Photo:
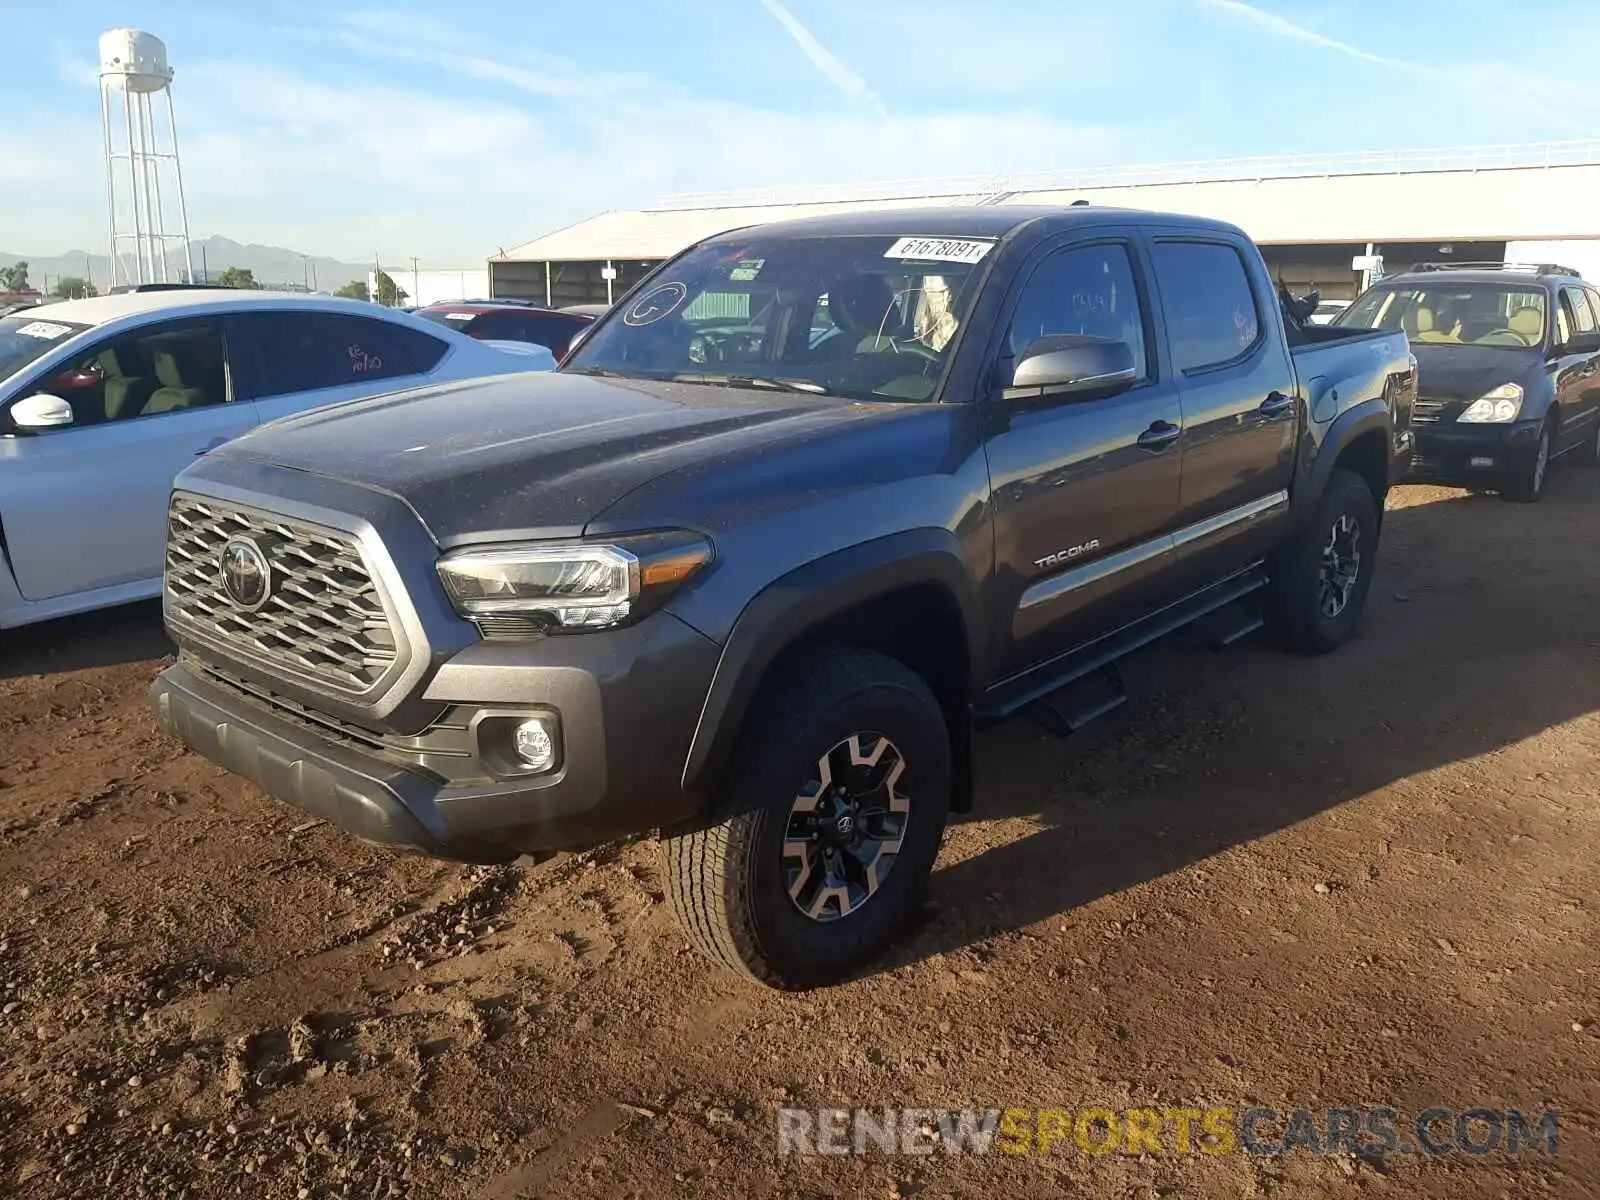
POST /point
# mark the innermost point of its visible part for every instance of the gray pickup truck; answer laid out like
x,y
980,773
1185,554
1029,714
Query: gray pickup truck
x,y
808,506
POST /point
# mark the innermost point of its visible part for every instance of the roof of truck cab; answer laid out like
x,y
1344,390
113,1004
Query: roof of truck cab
x,y
979,221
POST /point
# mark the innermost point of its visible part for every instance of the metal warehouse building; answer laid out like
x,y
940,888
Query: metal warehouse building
x,y
1312,215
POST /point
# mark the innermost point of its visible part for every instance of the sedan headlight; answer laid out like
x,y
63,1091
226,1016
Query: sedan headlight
x,y
1496,407
569,586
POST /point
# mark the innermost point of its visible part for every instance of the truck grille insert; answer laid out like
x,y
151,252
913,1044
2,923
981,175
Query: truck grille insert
x,y
319,617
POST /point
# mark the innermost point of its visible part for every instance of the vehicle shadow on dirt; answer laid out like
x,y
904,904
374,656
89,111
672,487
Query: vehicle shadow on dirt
x,y
1459,656
129,634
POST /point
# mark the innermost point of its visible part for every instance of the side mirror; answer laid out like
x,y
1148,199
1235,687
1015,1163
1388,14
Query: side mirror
x,y
40,412
1581,343
576,340
1072,364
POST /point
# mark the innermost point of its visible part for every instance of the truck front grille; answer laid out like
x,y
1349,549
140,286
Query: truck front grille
x,y
321,619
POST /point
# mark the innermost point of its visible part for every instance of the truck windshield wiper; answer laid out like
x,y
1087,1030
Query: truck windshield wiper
x,y
753,381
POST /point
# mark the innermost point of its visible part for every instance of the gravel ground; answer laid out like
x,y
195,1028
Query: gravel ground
x,y
1362,880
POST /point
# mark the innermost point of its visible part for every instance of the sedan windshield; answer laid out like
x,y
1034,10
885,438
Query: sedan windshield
x,y
871,318
1470,314
25,338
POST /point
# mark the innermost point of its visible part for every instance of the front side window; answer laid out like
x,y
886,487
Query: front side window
x,y
1583,316
1087,290
308,351
164,368
24,339
869,317
1210,307
1465,314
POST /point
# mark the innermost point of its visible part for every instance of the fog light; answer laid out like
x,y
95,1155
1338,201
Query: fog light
x,y
535,745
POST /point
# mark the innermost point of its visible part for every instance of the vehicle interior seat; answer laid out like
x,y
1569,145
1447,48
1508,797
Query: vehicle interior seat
x,y
1420,327
125,395
1528,324
174,393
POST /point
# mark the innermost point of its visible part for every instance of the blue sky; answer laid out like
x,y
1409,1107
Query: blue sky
x,y
444,130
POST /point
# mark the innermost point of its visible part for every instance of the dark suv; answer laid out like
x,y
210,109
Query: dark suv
x,y
1508,363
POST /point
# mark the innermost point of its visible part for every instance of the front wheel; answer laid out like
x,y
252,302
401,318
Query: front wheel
x,y
1526,484
821,839
1320,579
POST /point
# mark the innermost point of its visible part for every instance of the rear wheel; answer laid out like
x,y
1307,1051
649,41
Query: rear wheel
x,y
1321,579
822,837
1526,483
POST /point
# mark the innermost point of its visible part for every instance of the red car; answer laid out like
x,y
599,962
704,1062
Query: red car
x,y
489,321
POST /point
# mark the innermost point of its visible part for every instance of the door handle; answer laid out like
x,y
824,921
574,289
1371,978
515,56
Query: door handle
x,y
1159,436
1275,405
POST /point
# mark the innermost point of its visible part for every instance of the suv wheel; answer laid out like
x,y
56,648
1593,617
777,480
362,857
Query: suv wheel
x,y
1321,579
1527,483
821,839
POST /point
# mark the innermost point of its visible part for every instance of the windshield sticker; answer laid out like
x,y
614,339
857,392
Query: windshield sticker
x,y
926,249
747,270
453,316
658,302
48,330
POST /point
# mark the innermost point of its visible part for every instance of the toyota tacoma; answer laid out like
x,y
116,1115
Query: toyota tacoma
x,y
804,509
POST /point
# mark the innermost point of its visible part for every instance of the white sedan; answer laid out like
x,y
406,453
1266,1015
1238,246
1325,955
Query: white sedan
x,y
103,401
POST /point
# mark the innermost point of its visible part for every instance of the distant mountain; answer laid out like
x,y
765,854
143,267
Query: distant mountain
x,y
270,265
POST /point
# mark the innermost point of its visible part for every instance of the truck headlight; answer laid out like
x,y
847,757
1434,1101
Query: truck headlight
x,y
569,586
1496,407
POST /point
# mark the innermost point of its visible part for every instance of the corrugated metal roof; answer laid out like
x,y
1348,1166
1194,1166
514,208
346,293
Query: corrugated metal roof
x,y
626,236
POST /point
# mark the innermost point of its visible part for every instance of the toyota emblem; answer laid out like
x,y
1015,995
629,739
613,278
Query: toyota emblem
x,y
246,574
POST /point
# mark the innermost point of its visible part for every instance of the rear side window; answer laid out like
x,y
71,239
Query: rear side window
x,y
1211,310
304,352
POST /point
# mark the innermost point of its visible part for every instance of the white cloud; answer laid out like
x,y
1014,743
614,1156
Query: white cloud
x,y
825,61
1524,90
430,143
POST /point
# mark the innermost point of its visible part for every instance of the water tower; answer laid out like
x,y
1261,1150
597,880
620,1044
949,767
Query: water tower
x,y
144,181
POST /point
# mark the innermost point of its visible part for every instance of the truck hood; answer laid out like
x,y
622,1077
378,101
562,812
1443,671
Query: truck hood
x,y
531,455
1467,372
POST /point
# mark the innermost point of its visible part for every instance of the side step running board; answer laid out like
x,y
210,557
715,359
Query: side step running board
x,y
1021,691
1060,716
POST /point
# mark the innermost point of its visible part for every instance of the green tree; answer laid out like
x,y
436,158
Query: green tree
x,y
70,287
237,277
356,289
390,293
15,277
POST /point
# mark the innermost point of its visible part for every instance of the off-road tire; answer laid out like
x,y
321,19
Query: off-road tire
x,y
724,872
1294,612
1527,484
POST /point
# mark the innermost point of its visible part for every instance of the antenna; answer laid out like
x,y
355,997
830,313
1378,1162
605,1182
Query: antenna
x,y
144,180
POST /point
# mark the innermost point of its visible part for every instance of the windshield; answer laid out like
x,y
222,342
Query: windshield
x,y
1467,314
871,318
25,338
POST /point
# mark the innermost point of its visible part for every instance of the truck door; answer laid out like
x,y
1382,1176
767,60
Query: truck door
x,y
1240,408
1084,488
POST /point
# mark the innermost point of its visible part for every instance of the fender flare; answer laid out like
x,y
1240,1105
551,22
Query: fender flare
x,y
1359,419
799,601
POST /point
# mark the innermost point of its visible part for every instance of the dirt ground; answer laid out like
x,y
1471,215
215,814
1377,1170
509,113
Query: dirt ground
x,y
1368,879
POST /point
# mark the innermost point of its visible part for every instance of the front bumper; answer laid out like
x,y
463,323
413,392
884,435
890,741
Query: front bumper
x,y
628,701
1457,453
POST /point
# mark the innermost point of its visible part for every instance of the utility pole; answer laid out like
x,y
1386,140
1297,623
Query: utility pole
x,y
305,272
416,285
205,271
